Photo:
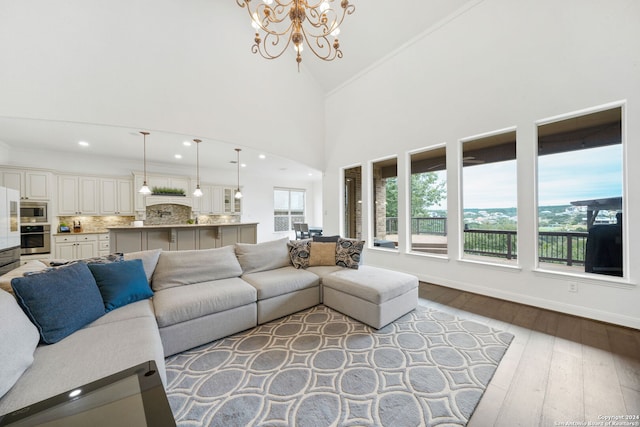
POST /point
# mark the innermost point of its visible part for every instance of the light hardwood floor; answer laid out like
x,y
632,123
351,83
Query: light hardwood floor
x,y
559,368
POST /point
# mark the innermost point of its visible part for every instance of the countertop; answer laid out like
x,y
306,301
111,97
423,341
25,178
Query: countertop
x,y
229,224
81,233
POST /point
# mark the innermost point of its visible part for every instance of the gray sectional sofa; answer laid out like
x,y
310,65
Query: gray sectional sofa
x,y
198,297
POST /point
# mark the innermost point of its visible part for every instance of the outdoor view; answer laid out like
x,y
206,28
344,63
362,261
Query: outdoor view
x,y
579,196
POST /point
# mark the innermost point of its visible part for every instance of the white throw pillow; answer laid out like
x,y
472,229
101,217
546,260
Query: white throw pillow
x,y
19,338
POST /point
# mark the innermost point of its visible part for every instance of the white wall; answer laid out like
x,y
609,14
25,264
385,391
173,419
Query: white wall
x,y
166,65
501,63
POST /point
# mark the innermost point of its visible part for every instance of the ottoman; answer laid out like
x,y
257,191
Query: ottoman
x,y
372,295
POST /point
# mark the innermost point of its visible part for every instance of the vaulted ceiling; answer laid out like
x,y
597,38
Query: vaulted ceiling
x,y
99,71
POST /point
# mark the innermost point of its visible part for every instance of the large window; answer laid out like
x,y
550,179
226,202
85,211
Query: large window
x,y
489,179
288,208
580,193
429,201
385,203
353,202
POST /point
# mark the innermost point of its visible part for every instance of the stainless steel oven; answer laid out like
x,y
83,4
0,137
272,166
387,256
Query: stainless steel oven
x,y
35,239
31,212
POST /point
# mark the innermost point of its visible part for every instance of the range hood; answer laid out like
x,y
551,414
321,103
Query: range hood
x,y
168,200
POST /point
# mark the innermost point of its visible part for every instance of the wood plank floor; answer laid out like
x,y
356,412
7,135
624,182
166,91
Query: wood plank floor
x,y
558,368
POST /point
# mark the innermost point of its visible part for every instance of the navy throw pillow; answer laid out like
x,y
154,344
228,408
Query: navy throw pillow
x,y
59,302
121,283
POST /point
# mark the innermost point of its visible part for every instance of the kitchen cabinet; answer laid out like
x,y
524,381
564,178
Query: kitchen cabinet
x,y
231,204
174,238
140,204
211,202
116,196
77,195
32,184
104,244
77,246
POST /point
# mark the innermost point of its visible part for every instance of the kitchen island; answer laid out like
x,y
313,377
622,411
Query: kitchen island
x,y
176,237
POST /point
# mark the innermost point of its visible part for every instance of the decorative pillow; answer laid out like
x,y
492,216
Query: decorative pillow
x,y
348,252
178,268
263,256
333,239
149,260
322,254
103,259
299,253
121,283
59,302
19,338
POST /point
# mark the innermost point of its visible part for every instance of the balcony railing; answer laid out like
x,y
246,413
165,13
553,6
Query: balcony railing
x,y
563,247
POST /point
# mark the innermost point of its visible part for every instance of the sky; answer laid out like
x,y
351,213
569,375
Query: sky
x,y
562,178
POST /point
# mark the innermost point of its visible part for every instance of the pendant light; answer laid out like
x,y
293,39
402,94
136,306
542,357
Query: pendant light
x,y
238,194
198,191
144,190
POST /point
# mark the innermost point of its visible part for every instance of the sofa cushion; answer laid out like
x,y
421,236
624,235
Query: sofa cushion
x,y
299,252
178,268
85,356
176,305
280,281
348,252
149,260
60,301
121,283
372,284
322,254
5,279
263,256
19,338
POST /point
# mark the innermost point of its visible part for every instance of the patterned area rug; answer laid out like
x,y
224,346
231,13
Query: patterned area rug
x,y
322,368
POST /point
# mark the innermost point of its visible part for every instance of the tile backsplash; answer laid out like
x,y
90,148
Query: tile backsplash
x,y
96,224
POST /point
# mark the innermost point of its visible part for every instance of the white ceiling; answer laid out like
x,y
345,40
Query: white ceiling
x,y
376,29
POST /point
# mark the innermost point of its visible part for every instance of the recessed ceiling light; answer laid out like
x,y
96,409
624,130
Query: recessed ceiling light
x,y
187,143
83,143
243,165
262,156
310,174
178,156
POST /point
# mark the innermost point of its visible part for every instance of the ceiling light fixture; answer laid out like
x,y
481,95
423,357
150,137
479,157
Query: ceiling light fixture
x,y
198,191
309,22
144,190
238,194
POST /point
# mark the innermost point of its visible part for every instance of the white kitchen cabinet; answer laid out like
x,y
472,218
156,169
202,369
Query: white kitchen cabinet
x,y
32,184
211,202
104,244
116,196
77,246
231,204
77,195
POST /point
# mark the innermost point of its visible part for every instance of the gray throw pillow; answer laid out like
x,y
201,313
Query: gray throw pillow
x,y
19,338
263,256
179,268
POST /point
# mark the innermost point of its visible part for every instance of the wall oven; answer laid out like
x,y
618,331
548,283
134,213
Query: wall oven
x,y
33,212
35,239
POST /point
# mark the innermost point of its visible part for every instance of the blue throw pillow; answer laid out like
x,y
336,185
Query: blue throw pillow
x,y
121,283
59,302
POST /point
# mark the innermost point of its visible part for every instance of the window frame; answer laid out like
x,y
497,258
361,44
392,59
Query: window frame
x,y
289,215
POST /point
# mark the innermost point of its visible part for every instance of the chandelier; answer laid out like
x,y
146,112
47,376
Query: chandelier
x,y
314,23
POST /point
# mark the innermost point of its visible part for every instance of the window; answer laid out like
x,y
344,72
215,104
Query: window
x,y
489,179
385,203
353,202
580,183
288,208
429,201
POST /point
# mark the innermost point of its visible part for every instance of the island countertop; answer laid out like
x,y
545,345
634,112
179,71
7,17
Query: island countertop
x,y
143,227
